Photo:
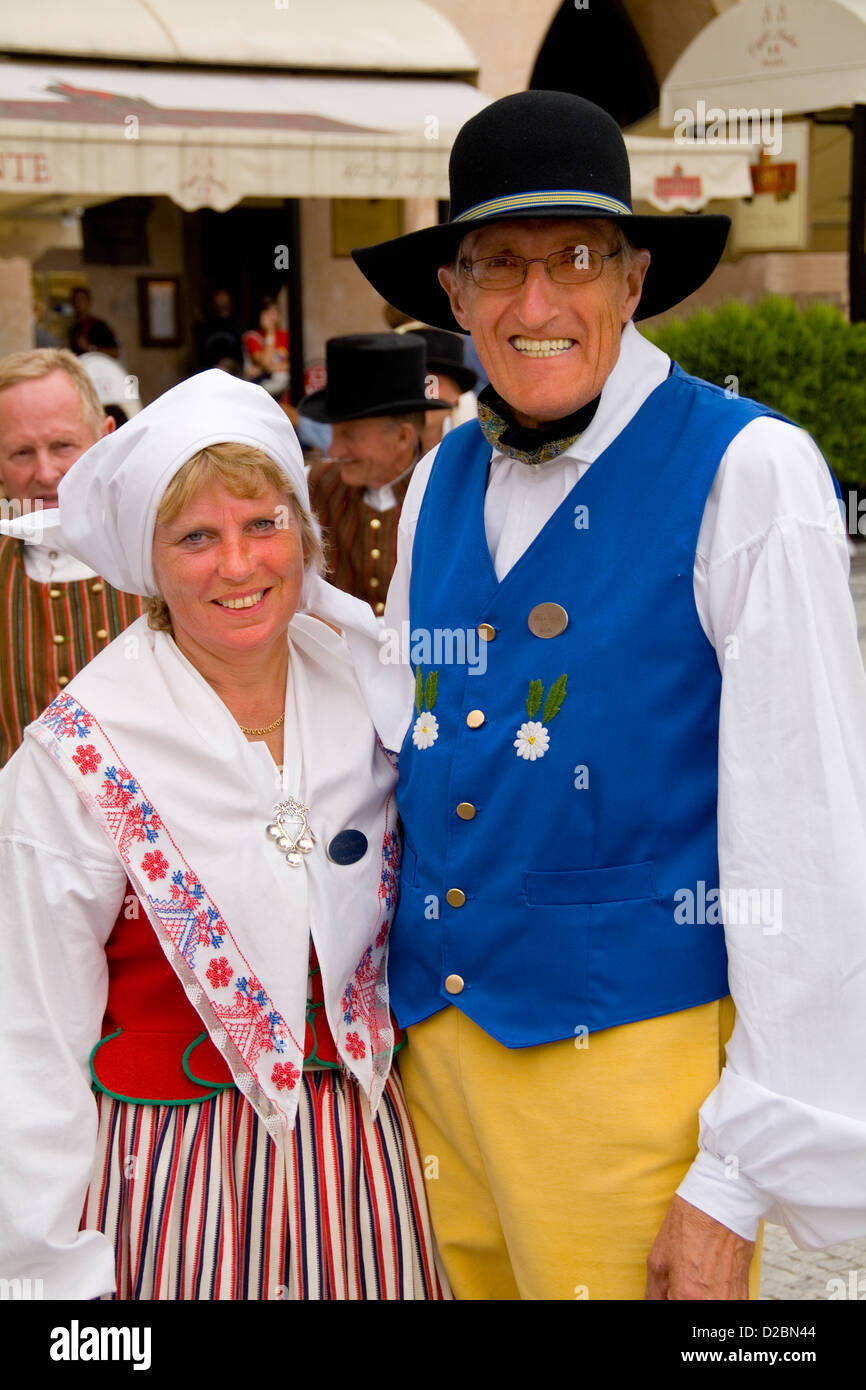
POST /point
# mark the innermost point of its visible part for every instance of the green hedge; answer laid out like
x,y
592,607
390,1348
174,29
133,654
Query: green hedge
x,y
810,364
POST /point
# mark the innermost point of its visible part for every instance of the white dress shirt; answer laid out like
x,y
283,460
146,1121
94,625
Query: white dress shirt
x,y
783,1134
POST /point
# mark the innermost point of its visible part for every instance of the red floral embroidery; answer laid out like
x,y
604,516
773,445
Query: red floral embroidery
x,y
155,865
219,972
355,1045
285,1076
87,759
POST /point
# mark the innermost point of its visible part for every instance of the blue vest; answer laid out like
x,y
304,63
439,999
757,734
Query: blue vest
x,y
570,871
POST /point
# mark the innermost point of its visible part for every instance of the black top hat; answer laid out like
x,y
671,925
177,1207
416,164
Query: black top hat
x,y
371,374
542,154
444,353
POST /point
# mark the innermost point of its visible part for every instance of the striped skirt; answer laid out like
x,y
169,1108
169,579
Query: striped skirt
x,y
201,1204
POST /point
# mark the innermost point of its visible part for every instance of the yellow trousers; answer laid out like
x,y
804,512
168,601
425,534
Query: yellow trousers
x,y
550,1168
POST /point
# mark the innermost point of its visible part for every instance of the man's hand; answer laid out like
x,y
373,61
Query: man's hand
x,y
695,1257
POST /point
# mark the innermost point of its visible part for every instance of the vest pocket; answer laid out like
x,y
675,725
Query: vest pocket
x,y
618,883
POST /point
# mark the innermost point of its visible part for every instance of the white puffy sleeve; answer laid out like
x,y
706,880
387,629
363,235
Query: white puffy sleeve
x,y
61,888
783,1135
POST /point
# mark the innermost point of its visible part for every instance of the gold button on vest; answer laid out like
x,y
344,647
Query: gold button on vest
x,y
475,718
486,632
380,608
466,811
373,582
58,639
98,587
374,554
102,633
454,984
455,897
375,523
55,593
62,680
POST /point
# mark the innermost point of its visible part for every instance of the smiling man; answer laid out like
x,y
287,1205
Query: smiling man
x,y
55,613
671,713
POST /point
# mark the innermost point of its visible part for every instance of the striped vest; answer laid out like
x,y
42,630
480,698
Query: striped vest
x,y
47,633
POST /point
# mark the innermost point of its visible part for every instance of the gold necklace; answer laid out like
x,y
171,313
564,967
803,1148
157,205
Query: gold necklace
x,y
270,728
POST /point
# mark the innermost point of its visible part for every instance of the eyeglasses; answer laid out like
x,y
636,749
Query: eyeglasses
x,y
575,265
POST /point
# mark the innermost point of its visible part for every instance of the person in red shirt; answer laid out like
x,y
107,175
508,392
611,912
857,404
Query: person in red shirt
x,y
266,350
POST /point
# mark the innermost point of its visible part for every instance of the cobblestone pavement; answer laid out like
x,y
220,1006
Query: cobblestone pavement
x,y
786,1272
789,1273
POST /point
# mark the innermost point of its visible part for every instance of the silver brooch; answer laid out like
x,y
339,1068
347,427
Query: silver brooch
x,y
290,830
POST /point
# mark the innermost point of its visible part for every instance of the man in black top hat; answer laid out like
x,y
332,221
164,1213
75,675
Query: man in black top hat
x,y
645,558
375,403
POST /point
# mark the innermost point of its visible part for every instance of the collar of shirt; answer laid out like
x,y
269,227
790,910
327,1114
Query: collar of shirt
x,y
380,499
45,564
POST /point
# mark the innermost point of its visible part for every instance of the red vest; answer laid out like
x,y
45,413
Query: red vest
x,y
154,1048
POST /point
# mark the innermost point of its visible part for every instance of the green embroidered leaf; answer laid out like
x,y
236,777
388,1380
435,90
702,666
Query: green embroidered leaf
x,y
431,689
419,690
534,698
555,697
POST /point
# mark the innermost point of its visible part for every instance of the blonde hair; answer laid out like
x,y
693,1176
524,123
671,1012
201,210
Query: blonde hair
x,y
40,362
245,472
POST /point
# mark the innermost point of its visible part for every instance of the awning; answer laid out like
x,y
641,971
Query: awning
x,y
791,55
394,36
772,59
209,139
687,174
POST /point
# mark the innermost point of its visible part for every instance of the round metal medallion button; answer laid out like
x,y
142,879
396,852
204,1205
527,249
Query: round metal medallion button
x,y
55,593
475,718
466,811
455,897
454,984
375,523
347,847
547,620
486,632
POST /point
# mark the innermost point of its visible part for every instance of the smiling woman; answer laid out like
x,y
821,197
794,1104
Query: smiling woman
x,y
225,848
244,473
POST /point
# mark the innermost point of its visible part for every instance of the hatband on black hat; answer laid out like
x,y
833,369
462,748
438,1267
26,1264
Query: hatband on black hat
x,y
371,374
542,154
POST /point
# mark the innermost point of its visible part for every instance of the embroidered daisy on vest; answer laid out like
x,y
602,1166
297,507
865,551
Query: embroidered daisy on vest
x,y
426,728
533,739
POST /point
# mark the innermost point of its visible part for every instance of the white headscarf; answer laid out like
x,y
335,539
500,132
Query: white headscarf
x,y
110,497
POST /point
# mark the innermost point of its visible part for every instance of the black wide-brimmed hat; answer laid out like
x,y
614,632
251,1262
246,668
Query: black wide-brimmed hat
x,y
445,353
542,154
371,374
